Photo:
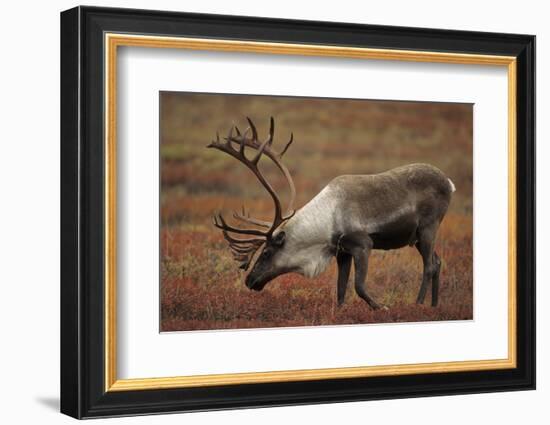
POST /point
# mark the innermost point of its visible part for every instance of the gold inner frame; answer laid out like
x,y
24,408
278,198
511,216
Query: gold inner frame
x,y
113,41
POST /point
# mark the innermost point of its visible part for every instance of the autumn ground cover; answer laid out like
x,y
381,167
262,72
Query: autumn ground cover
x,y
201,285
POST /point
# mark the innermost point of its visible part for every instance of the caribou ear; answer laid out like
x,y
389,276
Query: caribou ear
x,y
279,238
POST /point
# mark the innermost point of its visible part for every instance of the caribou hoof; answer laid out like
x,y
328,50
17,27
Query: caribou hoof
x,y
376,306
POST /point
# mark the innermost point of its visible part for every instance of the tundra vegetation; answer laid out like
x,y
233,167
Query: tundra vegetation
x,y
202,286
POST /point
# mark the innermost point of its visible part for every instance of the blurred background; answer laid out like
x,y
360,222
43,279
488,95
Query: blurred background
x,y
201,285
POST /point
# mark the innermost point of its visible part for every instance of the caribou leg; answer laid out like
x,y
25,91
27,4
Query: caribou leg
x,y
425,246
359,245
344,266
435,279
361,261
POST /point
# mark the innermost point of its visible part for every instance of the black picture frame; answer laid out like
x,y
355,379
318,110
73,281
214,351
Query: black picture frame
x,y
83,392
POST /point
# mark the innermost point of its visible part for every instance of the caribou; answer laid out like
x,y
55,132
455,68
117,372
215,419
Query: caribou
x,y
350,217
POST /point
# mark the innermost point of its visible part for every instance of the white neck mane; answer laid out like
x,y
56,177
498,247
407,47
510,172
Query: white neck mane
x,y
308,235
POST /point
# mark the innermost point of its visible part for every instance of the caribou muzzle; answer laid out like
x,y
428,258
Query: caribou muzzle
x,y
254,284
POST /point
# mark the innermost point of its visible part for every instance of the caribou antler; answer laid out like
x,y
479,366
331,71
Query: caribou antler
x,y
244,216
243,249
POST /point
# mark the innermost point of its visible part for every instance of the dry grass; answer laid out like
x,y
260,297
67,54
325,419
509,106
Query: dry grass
x,y
201,286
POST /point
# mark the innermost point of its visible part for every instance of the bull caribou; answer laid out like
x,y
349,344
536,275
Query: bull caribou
x,y
350,217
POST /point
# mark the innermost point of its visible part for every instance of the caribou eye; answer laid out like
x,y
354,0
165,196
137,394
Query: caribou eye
x,y
279,239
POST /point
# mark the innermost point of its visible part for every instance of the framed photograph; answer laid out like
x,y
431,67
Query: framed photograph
x,y
260,212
